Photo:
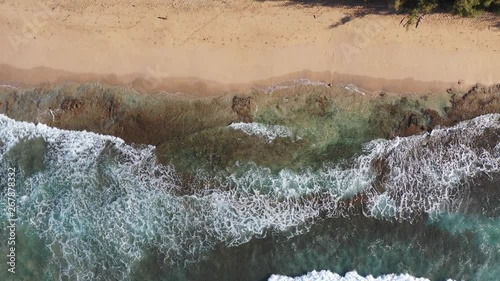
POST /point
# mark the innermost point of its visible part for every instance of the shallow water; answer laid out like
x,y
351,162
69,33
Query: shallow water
x,y
92,207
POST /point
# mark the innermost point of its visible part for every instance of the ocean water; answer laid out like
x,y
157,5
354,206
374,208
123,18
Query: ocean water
x,y
325,275
93,207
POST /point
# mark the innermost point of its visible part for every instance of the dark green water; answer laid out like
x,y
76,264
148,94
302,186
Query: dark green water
x,y
91,207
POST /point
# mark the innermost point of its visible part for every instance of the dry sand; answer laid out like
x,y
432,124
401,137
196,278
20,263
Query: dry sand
x,y
208,46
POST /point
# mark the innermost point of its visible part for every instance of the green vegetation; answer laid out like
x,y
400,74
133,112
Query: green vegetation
x,y
461,7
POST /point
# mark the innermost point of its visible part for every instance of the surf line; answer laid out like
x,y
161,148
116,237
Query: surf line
x,y
11,218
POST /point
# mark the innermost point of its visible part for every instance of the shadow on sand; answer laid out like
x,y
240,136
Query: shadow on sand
x,y
360,8
370,7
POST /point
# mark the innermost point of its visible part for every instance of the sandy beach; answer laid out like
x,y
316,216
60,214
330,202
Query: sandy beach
x,y
205,47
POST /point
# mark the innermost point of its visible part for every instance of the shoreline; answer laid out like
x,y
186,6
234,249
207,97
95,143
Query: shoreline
x,y
198,87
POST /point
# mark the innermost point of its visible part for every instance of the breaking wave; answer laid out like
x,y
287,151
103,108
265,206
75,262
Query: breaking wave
x,y
326,275
295,83
101,203
270,132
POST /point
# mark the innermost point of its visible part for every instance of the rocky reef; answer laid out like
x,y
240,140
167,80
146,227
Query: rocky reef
x,y
328,124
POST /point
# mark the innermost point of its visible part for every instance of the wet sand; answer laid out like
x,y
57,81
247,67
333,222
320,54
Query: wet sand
x,y
197,87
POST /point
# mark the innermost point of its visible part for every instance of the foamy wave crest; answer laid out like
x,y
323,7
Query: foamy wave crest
x,y
101,203
269,132
7,86
430,173
326,275
295,83
400,178
354,88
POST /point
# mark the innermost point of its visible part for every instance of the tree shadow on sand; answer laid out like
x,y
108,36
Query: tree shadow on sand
x,y
367,7
360,8
348,18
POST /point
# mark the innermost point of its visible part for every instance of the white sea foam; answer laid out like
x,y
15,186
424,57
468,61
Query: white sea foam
x,y
354,88
269,132
425,173
7,86
101,202
326,275
293,84
306,82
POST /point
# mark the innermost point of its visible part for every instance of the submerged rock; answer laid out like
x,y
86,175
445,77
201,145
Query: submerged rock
x,y
243,108
71,104
333,122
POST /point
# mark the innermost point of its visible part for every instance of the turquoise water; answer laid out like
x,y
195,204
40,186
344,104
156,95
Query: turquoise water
x,y
92,207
